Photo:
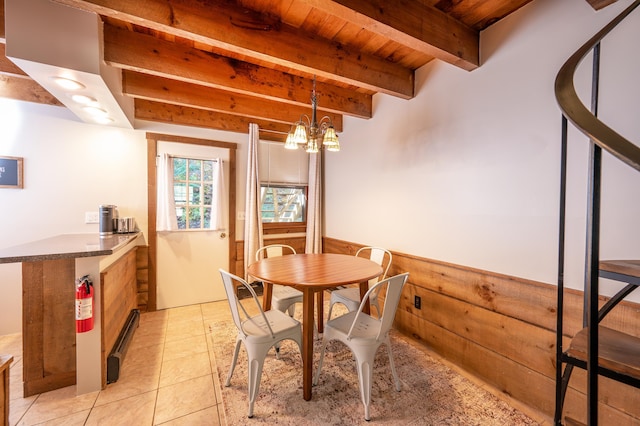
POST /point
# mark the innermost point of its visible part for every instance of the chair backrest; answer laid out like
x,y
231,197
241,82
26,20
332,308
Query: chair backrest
x,y
274,250
379,255
394,286
234,303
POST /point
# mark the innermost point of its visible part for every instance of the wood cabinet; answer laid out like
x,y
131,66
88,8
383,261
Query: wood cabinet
x,y
5,363
54,355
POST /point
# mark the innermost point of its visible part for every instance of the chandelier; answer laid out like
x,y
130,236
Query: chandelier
x,y
308,132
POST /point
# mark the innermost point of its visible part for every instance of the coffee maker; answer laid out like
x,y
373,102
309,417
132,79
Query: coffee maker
x,y
107,219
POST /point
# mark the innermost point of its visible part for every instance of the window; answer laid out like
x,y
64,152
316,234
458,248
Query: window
x,y
283,203
193,183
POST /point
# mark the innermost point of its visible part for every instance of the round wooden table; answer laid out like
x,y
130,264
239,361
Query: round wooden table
x,y
312,273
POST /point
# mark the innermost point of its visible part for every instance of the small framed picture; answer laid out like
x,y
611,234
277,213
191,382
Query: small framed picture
x,y
10,172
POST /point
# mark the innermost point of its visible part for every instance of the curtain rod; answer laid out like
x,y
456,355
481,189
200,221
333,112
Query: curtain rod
x,y
191,157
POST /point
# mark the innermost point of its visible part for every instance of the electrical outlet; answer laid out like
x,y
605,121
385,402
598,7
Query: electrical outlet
x,y
91,217
417,302
241,216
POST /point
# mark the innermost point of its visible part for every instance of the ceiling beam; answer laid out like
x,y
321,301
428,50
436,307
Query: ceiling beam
x,y
600,4
187,116
7,66
25,89
144,53
176,92
411,23
255,36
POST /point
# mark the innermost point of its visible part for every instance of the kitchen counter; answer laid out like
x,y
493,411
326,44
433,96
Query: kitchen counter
x,y
66,246
54,354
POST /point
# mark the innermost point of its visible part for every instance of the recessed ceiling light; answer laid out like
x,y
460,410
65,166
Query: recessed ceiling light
x,y
103,120
84,99
67,83
95,111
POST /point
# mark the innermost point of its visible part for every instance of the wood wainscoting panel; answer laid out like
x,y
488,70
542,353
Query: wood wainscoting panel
x,y
119,296
48,328
142,277
501,329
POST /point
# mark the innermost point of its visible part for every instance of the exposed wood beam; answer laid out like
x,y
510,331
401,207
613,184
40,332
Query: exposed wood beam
x,y
144,53
599,4
25,89
186,116
7,67
176,92
227,27
2,33
411,23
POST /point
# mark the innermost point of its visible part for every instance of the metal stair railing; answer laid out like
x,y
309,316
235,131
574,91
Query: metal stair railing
x,y
601,137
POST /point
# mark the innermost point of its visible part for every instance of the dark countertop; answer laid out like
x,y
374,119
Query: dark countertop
x,y
66,246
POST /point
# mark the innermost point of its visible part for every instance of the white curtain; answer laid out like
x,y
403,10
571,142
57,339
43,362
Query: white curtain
x,y
218,196
314,206
166,219
253,205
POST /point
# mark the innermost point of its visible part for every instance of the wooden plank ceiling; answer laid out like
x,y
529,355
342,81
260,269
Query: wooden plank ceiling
x,y
222,64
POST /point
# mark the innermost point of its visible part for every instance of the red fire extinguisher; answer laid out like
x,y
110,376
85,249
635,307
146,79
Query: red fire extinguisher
x,y
84,304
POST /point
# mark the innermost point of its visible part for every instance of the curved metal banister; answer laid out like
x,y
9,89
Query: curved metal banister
x,y
580,116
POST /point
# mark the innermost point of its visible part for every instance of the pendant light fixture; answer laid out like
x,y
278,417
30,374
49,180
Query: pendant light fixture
x,y
308,132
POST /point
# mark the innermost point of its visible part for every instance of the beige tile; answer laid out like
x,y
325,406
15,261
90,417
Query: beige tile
x,y
214,368
57,403
136,410
19,406
146,317
184,347
185,312
16,387
177,330
143,357
132,382
184,398
148,336
185,368
208,416
75,419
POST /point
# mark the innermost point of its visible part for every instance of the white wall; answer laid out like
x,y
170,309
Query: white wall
x,y
71,168
468,171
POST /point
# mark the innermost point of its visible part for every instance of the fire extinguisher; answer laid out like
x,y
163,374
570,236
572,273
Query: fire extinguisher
x,y
84,304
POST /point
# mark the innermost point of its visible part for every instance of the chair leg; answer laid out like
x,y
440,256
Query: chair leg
x,y
396,379
291,310
256,362
233,362
330,309
317,375
365,376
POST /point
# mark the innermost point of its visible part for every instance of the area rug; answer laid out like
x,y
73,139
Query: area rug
x,y
432,393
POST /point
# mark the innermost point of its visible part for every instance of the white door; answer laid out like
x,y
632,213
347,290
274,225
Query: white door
x,y
188,261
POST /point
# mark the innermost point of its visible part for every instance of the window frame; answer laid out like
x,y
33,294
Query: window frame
x,y
187,183
286,227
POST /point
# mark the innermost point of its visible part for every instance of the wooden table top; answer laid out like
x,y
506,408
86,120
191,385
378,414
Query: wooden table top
x,y
315,270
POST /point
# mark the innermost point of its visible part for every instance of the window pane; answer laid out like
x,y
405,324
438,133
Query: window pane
x,y
207,217
195,191
283,204
195,219
208,194
181,214
180,193
195,169
179,169
208,171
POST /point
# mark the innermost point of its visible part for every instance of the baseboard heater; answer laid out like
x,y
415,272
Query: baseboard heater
x,y
116,357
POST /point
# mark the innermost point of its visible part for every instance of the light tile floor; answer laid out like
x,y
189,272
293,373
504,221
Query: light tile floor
x,y
167,378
